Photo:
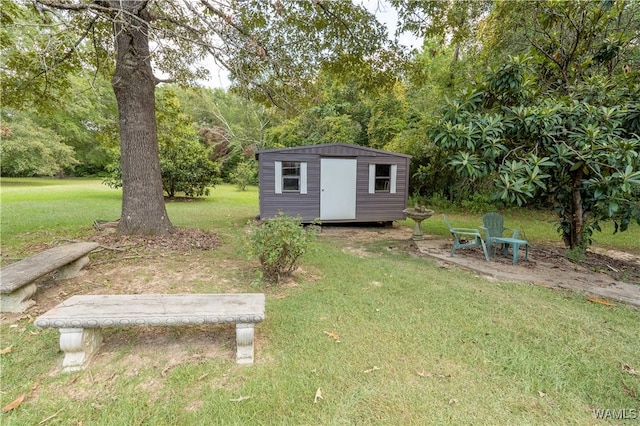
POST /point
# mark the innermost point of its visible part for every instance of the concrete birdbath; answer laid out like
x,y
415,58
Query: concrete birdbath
x,y
418,214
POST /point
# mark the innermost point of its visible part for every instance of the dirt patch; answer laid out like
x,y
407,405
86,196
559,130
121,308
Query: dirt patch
x,y
178,263
600,275
180,241
549,263
546,261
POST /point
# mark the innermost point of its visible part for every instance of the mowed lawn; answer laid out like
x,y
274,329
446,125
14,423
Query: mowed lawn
x,y
384,338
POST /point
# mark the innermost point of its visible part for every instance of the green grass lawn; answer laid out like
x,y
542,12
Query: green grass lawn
x,y
416,344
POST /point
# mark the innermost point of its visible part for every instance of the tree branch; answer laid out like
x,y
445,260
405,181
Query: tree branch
x,y
332,15
66,56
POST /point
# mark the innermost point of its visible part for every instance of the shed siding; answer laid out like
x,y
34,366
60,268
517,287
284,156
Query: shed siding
x,y
377,207
381,206
307,206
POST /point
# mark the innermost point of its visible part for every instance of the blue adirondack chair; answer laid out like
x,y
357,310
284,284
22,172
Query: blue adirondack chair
x,y
493,227
466,238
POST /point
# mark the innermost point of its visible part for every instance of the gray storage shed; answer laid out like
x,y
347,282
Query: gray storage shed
x,y
334,183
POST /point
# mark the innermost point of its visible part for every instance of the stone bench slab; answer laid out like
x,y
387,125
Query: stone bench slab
x,y
16,279
79,318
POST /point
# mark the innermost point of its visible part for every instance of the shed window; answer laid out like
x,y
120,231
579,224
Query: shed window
x,y
382,178
291,176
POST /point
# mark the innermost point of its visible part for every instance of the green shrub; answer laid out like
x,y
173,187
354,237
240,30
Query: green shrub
x,y
479,203
278,244
244,174
185,167
29,150
576,254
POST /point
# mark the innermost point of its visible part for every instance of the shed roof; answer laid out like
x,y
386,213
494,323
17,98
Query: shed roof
x,y
334,149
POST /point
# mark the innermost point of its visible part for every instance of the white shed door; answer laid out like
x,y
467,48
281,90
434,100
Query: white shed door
x,y
337,188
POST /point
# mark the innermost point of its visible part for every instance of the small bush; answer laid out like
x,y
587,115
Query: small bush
x,y
576,254
479,203
278,244
244,174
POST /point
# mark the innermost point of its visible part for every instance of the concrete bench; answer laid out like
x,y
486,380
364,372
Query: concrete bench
x,y
17,280
80,318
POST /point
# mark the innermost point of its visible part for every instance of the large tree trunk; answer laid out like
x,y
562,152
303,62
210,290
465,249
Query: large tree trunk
x,y
143,209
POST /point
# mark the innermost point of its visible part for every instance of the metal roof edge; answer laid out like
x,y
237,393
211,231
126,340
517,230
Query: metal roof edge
x,y
350,145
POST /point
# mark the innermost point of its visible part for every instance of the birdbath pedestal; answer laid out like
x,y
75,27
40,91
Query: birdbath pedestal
x,y
418,215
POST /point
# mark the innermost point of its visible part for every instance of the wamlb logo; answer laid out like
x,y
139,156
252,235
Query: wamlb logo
x,y
615,414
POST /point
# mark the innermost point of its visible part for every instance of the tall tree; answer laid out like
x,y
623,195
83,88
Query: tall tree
x,y
271,49
571,41
560,121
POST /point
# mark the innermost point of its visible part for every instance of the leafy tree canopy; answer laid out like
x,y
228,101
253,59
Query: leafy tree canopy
x,y
571,42
559,121
583,157
29,150
457,20
272,50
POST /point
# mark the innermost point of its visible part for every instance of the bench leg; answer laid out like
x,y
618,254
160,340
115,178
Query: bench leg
x,y
72,269
19,299
244,343
78,344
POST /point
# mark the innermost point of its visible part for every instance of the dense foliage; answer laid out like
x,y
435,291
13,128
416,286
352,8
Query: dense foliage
x,y
185,163
245,174
562,122
505,103
581,158
27,149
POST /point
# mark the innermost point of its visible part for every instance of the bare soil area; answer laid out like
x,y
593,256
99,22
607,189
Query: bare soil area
x,y
549,261
130,265
603,273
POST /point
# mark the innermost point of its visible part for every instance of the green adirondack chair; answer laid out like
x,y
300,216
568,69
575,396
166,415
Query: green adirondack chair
x,y
466,238
493,227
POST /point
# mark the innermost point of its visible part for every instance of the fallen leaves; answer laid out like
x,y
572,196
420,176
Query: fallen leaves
x,y
600,301
14,404
333,335
6,350
318,396
628,390
630,370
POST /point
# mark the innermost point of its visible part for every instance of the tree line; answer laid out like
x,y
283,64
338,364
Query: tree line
x,y
524,103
